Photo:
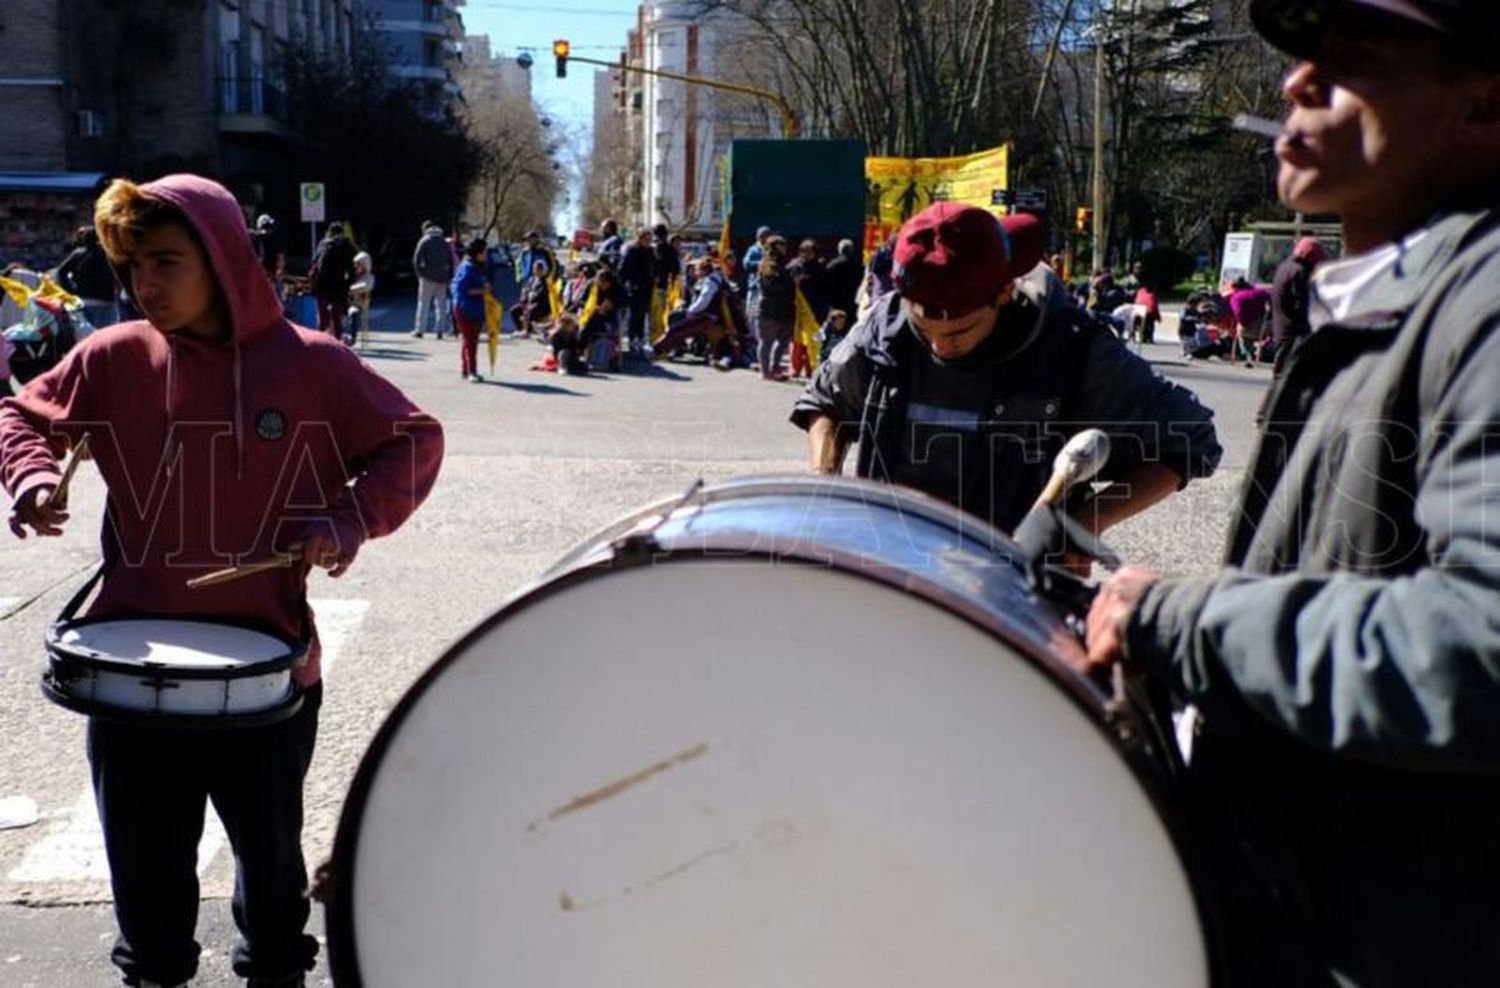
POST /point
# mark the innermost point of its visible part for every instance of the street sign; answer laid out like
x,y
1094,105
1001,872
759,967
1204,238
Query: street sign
x,y
312,202
1032,200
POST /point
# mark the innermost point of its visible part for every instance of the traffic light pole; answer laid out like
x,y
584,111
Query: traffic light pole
x,y
789,125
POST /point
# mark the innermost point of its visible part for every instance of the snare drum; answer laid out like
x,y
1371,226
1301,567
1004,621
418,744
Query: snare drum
x,y
792,732
177,672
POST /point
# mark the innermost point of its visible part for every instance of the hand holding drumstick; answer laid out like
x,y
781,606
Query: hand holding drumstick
x,y
44,509
319,550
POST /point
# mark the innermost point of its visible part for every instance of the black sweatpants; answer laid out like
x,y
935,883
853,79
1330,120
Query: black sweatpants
x,y
639,322
152,785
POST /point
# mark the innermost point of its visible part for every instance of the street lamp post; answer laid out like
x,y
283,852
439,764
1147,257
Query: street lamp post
x,y
1099,224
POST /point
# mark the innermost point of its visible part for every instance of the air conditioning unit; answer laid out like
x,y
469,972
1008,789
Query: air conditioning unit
x,y
90,123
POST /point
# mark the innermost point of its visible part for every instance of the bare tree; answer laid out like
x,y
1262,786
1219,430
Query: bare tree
x,y
950,77
517,184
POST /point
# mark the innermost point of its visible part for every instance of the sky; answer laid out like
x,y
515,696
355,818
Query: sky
x,y
595,28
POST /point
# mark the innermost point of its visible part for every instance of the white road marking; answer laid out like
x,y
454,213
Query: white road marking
x,y
73,849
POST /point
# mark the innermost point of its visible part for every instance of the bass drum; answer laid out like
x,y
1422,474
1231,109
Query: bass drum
x,y
792,732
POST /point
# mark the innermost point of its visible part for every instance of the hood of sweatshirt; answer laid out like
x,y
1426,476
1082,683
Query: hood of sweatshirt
x,y
250,299
219,222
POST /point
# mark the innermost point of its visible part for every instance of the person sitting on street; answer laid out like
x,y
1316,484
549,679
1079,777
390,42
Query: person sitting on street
x,y
834,329
703,316
535,305
1251,306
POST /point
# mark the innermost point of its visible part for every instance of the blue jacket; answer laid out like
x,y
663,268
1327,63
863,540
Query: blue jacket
x,y
468,277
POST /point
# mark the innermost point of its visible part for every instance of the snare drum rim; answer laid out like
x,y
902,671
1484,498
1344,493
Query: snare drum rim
x,y
152,719
581,565
60,651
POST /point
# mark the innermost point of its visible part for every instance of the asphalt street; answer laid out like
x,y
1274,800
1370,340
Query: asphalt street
x,y
535,463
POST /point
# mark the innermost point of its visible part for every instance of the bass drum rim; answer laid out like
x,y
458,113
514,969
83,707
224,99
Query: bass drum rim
x,y
581,564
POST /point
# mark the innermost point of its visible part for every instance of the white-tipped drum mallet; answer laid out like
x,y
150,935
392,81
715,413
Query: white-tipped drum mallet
x,y
1077,462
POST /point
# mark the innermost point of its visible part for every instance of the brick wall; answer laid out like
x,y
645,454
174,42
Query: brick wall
x,y
37,228
34,139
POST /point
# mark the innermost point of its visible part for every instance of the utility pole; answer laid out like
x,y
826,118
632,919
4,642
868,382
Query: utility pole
x,y
1100,227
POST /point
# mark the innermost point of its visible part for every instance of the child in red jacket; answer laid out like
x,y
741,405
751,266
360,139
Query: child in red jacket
x,y
214,423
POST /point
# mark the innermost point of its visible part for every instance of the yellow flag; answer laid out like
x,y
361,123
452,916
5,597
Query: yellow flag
x,y
17,291
492,316
658,315
589,306
806,330
51,290
554,297
674,293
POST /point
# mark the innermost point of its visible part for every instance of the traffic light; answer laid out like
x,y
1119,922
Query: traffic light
x,y
1084,220
561,48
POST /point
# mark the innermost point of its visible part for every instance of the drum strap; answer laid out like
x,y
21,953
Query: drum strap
x,y
71,608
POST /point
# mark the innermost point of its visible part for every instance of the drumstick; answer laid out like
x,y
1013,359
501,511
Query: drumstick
x,y
250,569
59,499
1083,457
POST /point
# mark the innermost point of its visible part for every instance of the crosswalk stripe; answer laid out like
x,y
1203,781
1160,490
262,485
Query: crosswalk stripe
x,y
74,850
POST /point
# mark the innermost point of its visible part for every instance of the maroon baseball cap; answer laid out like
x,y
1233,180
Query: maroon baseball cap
x,y
954,258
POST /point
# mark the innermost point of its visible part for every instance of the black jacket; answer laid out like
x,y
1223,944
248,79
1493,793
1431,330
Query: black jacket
x,y
635,270
843,277
1054,372
86,273
778,297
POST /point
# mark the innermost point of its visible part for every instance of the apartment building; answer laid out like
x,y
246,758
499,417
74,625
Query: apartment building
x,y
143,89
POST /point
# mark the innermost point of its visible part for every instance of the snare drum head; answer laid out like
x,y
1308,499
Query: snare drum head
x,y
732,773
177,644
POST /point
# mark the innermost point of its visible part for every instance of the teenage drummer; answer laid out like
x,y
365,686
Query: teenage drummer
x,y
966,380
224,434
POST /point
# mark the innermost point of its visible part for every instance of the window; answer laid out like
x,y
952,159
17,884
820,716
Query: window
x,y
257,70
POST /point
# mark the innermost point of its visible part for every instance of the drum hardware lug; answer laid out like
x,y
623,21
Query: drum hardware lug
x,y
639,544
1119,708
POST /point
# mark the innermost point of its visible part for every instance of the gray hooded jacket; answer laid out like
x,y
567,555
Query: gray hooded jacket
x,y
1348,662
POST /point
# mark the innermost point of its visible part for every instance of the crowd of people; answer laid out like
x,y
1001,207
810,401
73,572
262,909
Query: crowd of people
x,y
647,298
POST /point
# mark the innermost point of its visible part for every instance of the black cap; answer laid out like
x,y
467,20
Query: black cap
x,y
1298,27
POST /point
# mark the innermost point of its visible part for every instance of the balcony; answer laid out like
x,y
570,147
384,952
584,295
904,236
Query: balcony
x,y
252,106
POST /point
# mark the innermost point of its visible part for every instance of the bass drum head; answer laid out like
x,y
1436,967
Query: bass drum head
x,y
725,772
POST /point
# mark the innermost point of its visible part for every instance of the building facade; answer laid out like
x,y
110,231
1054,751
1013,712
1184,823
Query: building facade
x,y
679,132
144,89
486,75
423,40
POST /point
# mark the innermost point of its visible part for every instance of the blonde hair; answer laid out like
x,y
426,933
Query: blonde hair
x,y
126,212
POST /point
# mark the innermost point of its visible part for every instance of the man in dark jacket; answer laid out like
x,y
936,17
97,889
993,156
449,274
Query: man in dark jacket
x,y
1291,292
1346,666
811,278
332,274
86,273
843,277
636,275
433,263
966,381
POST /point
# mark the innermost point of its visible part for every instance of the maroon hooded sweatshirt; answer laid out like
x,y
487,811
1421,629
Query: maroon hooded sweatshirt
x,y
215,453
